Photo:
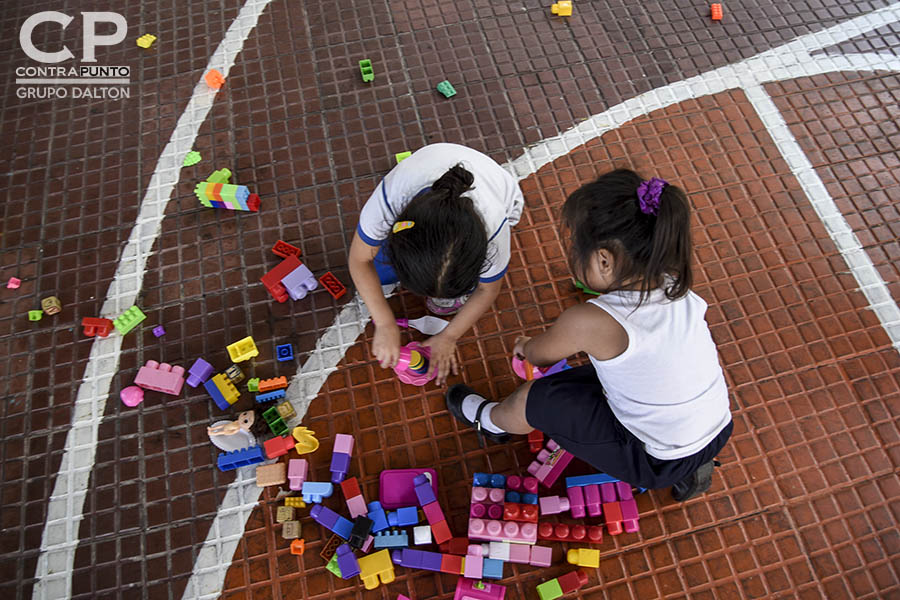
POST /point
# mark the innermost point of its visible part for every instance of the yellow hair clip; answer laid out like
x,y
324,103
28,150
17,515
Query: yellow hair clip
x,y
401,225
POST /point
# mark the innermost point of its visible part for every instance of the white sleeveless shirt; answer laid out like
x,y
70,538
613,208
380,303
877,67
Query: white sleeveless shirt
x,y
667,388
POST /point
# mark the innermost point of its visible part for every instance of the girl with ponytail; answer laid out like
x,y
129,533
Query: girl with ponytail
x,y
439,224
651,408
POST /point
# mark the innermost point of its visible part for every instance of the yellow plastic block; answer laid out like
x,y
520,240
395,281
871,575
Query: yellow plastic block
x,y
306,440
562,8
242,350
226,388
584,557
373,567
294,502
146,40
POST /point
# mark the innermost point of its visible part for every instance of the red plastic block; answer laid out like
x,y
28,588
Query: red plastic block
x,y
272,279
535,441
433,513
441,532
561,532
527,513
572,581
457,545
355,501
283,249
253,202
451,564
94,326
160,377
333,285
612,514
715,12
278,446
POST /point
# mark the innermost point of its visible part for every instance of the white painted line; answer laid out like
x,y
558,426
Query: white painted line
x,y
65,509
242,496
870,281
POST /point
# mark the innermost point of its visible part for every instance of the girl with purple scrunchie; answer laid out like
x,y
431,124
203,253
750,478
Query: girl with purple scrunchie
x,y
652,407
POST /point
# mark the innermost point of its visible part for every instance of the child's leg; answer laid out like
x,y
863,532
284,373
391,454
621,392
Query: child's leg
x,y
509,415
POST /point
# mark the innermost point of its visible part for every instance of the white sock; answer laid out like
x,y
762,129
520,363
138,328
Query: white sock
x,y
470,406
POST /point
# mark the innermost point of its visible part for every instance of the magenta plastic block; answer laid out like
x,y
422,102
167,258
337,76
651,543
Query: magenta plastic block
x,y
592,500
199,372
608,492
550,463
576,501
466,590
433,513
396,487
624,490
630,515
132,395
160,377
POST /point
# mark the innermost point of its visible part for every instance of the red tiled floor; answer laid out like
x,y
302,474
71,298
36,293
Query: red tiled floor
x,y
806,502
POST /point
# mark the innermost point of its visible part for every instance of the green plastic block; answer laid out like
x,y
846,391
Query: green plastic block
x,y
35,315
333,567
253,385
220,176
128,320
586,289
192,158
276,423
549,590
401,155
366,70
446,89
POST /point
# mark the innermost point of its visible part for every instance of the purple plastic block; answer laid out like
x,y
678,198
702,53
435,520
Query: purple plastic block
x,y
299,282
199,372
423,490
347,562
608,492
396,487
159,331
431,561
576,501
592,500
630,515
624,490
541,556
324,516
340,464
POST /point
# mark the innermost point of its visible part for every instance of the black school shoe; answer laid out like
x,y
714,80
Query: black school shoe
x,y
696,483
455,396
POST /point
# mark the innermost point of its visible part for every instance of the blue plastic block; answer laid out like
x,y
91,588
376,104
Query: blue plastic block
x,y
269,396
512,496
492,569
423,489
379,518
314,491
329,519
284,352
391,539
240,458
408,515
494,480
529,498
217,396
595,479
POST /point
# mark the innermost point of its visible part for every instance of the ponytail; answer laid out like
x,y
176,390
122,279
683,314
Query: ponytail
x,y
454,183
670,247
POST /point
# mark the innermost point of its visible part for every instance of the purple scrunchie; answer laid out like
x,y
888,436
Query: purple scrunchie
x,y
648,195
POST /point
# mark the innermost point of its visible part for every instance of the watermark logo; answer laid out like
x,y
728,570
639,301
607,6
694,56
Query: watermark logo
x,y
52,80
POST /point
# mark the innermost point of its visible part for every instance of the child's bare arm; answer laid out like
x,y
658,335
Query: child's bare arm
x,y
581,328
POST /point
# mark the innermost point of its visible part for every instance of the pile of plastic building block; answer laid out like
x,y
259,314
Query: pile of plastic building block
x,y
292,279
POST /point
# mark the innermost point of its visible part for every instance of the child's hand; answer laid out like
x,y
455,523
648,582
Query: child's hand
x,y
519,348
386,345
443,356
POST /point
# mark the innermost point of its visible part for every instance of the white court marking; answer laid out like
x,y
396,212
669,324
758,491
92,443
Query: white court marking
x,y
65,510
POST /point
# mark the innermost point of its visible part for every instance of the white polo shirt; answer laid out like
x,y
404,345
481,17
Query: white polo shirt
x,y
495,194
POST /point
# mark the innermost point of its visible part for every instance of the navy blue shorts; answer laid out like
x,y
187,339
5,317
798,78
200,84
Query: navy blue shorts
x,y
570,407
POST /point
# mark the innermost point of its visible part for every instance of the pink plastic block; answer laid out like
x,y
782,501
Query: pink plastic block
x,y
402,597
519,553
550,463
576,501
488,495
396,487
132,395
473,567
624,490
160,377
433,513
466,590
367,545
343,443
541,556
476,550
502,531
630,515
13,283
552,505
608,492
297,469
592,500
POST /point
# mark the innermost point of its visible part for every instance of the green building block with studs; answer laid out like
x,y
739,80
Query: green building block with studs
x,y
333,567
366,70
191,158
276,423
35,315
253,385
446,89
400,156
220,176
128,320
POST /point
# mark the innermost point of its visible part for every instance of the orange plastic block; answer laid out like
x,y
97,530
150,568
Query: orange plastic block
x,y
612,514
451,563
715,12
267,385
298,546
214,79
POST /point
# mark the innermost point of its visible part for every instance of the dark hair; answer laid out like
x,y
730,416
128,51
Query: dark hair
x,y
442,255
654,249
